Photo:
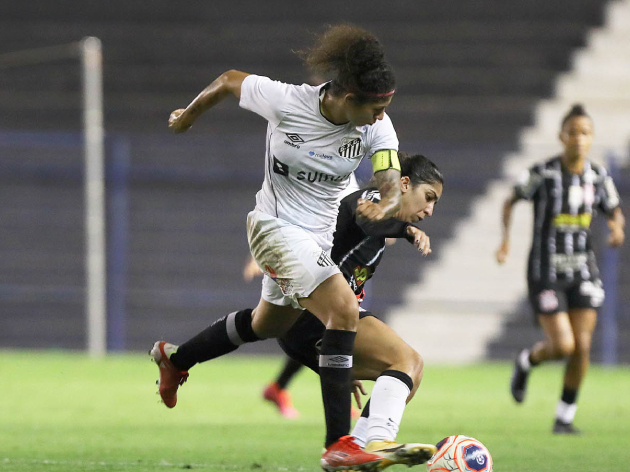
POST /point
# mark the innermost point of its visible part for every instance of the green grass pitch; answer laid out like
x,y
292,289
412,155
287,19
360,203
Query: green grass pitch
x,y
66,412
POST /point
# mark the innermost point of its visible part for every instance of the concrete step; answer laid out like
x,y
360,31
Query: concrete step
x,y
199,11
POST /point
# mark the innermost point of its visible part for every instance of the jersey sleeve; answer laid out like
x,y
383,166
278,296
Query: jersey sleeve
x,y
265,97
382,135
391,228
607,194
528,184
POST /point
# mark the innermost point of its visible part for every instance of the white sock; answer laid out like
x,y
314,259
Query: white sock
x,y
523,360
360,431
387,405
565,412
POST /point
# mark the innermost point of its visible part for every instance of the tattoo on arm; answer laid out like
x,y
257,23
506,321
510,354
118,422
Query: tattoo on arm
x,y
388,183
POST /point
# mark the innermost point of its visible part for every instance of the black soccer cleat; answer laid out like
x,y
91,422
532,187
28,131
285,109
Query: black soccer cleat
x,y
518,384
560,427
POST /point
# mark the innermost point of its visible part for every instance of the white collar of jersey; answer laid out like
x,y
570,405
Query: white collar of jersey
x,y
322,92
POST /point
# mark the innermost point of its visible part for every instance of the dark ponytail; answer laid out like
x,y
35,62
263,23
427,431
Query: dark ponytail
x,y
576,110
419,169
357,58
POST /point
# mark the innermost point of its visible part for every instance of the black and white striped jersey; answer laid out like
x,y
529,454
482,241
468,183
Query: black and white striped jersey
x,y
358,245
564,204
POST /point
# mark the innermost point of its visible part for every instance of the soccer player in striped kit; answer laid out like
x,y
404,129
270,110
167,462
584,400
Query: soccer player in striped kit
x,y
316,138
565,289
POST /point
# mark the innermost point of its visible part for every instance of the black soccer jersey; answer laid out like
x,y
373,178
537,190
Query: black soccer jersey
x,y
358,245
564,204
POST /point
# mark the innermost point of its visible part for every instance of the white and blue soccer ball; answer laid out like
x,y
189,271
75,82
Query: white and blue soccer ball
x,y
460,454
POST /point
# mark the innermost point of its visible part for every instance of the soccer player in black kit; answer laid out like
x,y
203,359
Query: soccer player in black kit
x,y
379,353
565,289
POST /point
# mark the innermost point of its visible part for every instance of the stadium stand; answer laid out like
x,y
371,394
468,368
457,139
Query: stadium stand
x,y
471,74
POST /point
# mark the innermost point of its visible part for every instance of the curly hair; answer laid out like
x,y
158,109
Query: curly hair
x,y
358,59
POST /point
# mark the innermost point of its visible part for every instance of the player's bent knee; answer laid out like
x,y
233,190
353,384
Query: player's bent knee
x,y
564,347
408,360
583,347
418,366
344,317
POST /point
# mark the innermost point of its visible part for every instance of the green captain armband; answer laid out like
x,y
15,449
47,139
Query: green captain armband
x,y
384,160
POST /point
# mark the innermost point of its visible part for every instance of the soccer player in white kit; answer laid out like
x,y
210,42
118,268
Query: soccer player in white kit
x,y
316,137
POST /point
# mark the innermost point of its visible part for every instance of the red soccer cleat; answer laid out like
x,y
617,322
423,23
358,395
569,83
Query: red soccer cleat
x,y
345,454
282,399
170,376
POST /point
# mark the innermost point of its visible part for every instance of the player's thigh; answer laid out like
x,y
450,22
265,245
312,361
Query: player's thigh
x,y
378,348
271,321
295,261
334,304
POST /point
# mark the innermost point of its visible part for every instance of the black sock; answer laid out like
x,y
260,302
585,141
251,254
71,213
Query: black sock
x,y
223,336
366,410
335,366
291,367
569,395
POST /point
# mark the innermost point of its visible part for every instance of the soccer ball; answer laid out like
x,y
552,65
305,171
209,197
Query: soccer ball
x,y
460,454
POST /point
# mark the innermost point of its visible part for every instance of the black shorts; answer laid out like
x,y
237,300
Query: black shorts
x,y
548,299
304,339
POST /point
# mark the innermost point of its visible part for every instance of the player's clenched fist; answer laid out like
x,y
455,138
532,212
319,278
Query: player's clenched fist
x,y
176,122
369,211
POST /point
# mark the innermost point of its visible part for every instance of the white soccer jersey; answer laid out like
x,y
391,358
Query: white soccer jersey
x,y
309,160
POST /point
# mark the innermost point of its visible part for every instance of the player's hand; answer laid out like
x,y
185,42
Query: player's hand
x,y
616,236
251,270
357,390
176,123
370,211
420,240
502,252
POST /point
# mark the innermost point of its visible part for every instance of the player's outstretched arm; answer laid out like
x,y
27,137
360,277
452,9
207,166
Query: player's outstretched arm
x,y
506,219
228,83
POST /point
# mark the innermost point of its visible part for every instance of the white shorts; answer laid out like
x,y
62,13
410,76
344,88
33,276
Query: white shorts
x,y
293,261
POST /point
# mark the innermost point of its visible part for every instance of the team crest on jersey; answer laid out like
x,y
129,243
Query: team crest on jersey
x,y
351,148
324,260
285,285
548,300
